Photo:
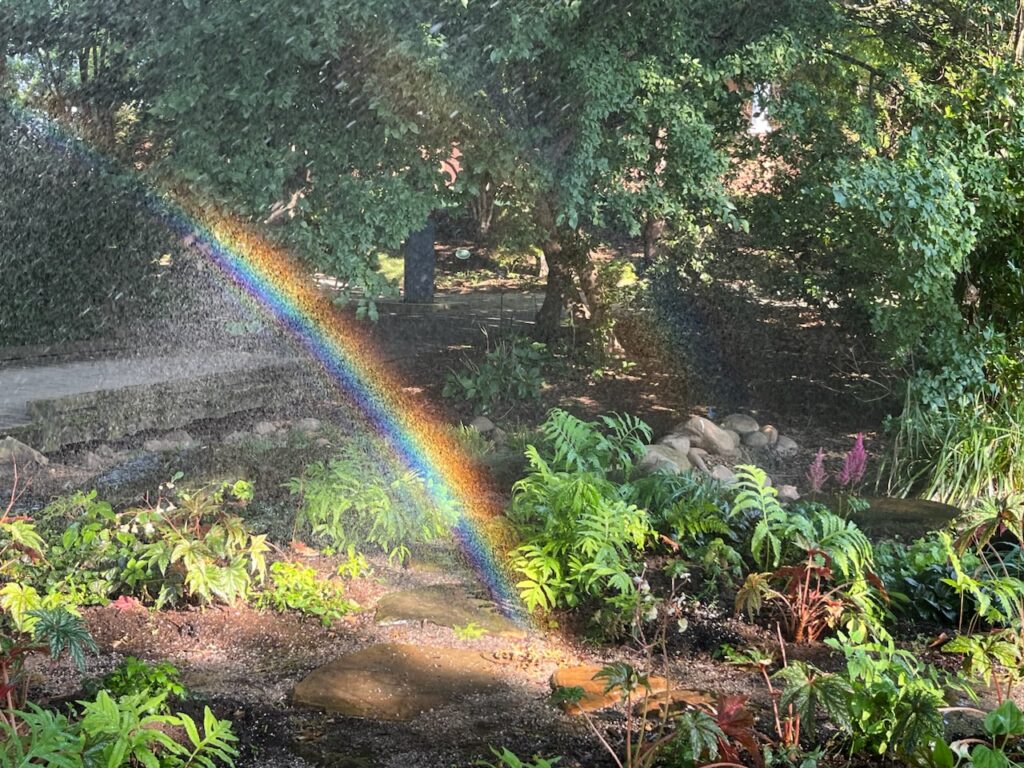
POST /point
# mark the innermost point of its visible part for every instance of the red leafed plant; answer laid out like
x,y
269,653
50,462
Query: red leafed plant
x,y
737,723
809,600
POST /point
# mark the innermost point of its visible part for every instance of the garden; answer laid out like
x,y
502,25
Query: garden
x,y
457,383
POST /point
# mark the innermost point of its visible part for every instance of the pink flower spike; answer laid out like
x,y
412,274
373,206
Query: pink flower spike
x,y
816,474
854,464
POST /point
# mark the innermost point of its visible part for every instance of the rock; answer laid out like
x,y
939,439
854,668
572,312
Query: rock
x,y
786,446
788,493
92,460
236,438
322,442
15,451
308,426
106,452
397,682
723,474
677,442
172,441
482,424
735,438
265,428
704,433
499,436
740,422
447,605
661,458
755,440
771,433
594,696
697,457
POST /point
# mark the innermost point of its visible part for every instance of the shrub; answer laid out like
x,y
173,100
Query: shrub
x,y
296,587
342,504
582,535
509,374
133,677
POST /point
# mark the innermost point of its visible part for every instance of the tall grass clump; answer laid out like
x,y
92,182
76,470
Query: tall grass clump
x,y
972,448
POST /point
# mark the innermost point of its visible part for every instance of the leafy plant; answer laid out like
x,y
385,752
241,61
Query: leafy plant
x,y
582,540
607,447
300,588
811,602
56,631
123,732
895,702
995,535
343,503
507,759
509,374
187,545
157,682
470,631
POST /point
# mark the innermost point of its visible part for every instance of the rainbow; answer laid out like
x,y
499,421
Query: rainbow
x,y
287,294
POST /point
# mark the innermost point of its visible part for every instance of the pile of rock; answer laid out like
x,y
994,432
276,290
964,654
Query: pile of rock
x,y
714,448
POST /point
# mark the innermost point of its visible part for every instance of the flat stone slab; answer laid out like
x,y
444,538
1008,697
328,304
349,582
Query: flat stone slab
x,y
447,605
397,681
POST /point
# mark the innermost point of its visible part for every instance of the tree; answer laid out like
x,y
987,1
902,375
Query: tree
x,y
620,109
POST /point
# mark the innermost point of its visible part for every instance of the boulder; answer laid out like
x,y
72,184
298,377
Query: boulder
x,y
698,458
265,428
736,439
755,440
704,433
178,440
771,433
15,451
677,442
93,461
740,422
661,458
308,426
482,424
723,474
786,446
788,493
236,438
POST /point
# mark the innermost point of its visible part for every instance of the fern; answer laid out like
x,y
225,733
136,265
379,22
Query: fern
x,y
43,737
574,445
582,539
216,744
343,504
755,498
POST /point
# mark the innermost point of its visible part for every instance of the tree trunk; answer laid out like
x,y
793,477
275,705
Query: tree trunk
x,y
653,230
549,316
1017,42
419,265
